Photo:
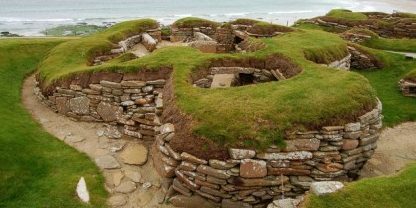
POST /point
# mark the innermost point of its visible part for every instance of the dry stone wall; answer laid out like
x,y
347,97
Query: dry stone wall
x,y
344,63
408,88
252,178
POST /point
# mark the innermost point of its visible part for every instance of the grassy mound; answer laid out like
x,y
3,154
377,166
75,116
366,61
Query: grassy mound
x,y
244,21
268,29
346,14
191,22
363,31
394,192
393,44
37,170
411,76
254,115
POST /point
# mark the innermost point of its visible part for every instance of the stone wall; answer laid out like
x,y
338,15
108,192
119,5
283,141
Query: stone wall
x,y
344,63
408,88
252,178
130,106
363,60
187,34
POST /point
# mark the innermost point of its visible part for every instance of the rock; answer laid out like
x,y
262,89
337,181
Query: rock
x,y
126,187
283,203
215,192
74,138
62,105
300,155
133,175
109,112
349,144
191,201
287,171
112,132
146,185
167,128
239,154
117,200
190,158
353,126
369,140
253,168
326,187
133,84
213,172
223,80
218,164
80,105
134,154
302,145
82,191
107,162
275,181
117,177
109,84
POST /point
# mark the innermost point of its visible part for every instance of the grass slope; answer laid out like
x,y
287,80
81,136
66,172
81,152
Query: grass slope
x,y
36,169
405,45
396,107
346,14
392,192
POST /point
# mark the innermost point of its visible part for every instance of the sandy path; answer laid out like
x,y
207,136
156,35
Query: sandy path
x,y
395,148
132,181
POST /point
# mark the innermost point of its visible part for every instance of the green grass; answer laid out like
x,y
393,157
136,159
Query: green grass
x,y
36,169
405,45
396,107
411,76
191,22
265,28
393,192
346,14
255,113
72,30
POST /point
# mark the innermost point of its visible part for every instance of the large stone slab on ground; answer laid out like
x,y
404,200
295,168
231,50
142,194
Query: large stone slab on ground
x,y
109,112
282,203
107,162
326,187
191,201
117,200
134,154
126,187
223,80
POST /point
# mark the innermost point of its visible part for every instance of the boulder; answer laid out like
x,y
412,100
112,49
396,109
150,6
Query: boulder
x,y
326,187
82,191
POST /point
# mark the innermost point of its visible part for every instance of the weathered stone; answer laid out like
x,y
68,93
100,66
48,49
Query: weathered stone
x,y
326,187
190,158
352,135
349,144
209,196
112,132
215,180
283,203
253,168
239,154
368,140
62,105
179,187
213,172
117,200
187,166
109,112
82,191
215,192
126,187
207,184
223,80
302,145
287,171
133,175
188,183
107,162
133,84
167,128
163,169
222,165
329,167
173,153
274,181
191,201
300,155
80,105
109,84
333,128
353,126
134,154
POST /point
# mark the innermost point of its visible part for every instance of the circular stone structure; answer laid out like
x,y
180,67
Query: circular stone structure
x,y
285,122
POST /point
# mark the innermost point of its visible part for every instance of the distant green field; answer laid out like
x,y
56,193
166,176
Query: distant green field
x,y
36,169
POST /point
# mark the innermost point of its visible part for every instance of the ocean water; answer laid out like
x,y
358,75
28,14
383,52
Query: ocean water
x,y
30,17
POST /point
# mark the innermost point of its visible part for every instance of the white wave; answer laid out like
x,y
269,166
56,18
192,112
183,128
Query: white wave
x,y
182,15
236,14
17,19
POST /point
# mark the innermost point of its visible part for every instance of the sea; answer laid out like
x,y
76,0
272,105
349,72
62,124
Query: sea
x,y
30,17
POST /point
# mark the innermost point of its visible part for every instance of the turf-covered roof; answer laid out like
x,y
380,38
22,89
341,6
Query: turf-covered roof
x,y
251,115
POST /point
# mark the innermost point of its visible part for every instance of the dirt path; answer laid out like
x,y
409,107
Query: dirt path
x,y
395,148
129,186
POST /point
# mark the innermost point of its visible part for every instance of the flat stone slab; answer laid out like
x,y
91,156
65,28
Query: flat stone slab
x,y
82,191
223,80
134,154
107,162
326,187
